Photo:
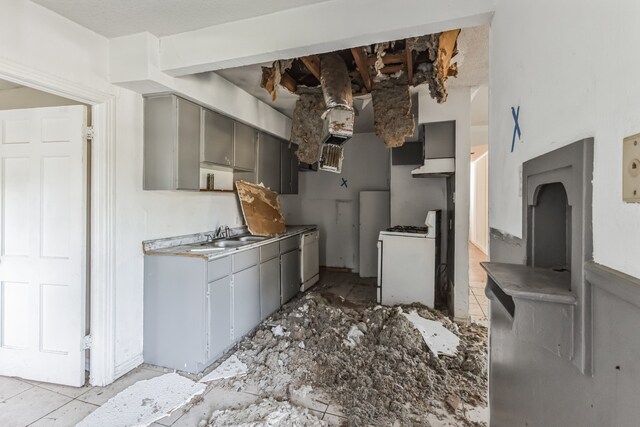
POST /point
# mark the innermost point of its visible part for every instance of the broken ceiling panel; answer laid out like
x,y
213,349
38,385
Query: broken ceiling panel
x,y
307,124
392,115
261,209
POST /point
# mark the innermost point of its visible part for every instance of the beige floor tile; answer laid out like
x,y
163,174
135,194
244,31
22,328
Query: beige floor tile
x,y
310,402
334,420
100,395
72,392
10,387
67,415
213,400
29,406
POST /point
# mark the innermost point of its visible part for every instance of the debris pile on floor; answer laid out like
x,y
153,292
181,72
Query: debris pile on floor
x,y
370,360
267,413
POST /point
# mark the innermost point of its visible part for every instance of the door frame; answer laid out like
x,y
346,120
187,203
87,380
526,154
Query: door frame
x,y
102,202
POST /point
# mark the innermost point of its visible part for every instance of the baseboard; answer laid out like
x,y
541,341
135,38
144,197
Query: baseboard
x,y
128,366
338,269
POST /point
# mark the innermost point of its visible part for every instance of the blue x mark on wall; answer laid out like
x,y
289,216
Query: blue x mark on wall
x,y
344,183
516,126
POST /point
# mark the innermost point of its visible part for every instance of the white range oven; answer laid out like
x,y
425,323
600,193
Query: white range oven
x,y
408,259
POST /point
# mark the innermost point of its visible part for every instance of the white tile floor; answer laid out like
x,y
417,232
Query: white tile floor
x,y
29,403
478,303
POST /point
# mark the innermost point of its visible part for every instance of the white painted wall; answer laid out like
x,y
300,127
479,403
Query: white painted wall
x,y
458,108
479,207
572,68
323,201
57,47
412,197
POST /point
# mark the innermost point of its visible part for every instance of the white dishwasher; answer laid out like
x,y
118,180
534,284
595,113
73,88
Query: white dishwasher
x,y
309,260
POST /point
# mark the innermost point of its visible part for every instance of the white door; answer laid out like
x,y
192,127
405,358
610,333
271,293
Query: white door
x,y
42,244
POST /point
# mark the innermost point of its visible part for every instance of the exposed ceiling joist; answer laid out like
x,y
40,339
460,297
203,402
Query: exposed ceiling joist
x,y
313,64
409,62
288,82
360,57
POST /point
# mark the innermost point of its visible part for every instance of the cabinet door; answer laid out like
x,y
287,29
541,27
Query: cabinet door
x,y
294,166
246,301
219,316
188,152
269,162
285,168
244,147
218,139
290,274
159,142
269,287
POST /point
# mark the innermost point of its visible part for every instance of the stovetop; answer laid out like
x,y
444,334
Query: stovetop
x,y
408,229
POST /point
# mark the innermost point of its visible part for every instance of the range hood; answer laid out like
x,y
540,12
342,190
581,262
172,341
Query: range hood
x,y
439,148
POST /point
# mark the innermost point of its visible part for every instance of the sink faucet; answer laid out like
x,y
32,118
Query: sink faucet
x,y
223,231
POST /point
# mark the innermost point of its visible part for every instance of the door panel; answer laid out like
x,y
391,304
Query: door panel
x,y
370,227
246,301
219,312
269,287
43,236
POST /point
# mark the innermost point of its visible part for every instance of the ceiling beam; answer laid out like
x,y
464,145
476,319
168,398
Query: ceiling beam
x,y
312,63
389,58
409,62
264,38
288,82
362,63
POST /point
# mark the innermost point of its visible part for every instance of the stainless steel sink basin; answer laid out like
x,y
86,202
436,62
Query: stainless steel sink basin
x,y
250,238
205,249
228,243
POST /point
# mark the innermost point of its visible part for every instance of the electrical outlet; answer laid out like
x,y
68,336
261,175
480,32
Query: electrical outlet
x,y
631,169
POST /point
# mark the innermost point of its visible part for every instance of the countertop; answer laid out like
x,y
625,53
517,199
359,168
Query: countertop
x,y
538,284
183,245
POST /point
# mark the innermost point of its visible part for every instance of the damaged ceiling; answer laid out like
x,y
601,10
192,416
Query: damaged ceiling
x,y
385,74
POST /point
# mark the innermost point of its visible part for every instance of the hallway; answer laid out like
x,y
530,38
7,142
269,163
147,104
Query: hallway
x,y
478,303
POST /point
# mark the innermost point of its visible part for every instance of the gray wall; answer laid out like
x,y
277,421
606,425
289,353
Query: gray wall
x,y
411,197
533,387
322,200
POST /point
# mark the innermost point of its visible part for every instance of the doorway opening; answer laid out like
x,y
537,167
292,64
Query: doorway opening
x,y
479,204
45,292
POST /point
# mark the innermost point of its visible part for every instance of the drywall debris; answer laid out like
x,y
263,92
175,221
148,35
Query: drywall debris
x,y
307,124
389,377
232,367
353,337
393,119
438,338
453,401
261,209
267,413
145,402
278,331
271,80
440,48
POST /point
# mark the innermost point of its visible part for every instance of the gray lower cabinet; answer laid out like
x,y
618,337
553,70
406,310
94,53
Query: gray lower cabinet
x,y
183,298
246,301
290,274
269,161
217,139
269,287
171,143
219,337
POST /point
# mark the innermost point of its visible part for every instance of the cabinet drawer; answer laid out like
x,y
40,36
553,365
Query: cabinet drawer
x,y
245,259
269,251
218,268
289,244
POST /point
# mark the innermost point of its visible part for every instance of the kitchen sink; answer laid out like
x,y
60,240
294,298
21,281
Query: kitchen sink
x,y
251,238
228,243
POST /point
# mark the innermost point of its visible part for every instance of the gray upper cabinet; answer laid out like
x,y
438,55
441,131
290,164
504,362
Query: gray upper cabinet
x,y
217,141
269,162
288,169
171,143
244,147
